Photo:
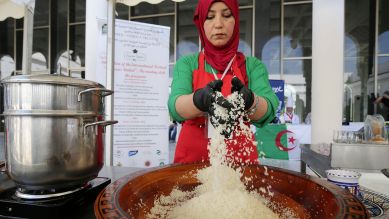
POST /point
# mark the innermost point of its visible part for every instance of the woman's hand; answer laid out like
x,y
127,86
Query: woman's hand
x,y
247,94
204,98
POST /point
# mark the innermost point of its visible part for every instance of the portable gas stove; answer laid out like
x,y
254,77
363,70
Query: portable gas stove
x,y
74,203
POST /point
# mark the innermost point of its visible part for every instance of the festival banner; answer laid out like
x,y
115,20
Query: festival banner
x,y
278,89
141,80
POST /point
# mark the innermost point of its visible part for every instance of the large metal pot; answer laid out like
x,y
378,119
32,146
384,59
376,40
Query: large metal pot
x,y
54,130
53,92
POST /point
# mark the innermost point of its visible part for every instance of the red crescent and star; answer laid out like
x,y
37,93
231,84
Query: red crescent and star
x,y
278,141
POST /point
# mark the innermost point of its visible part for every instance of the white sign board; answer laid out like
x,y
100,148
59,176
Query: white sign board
x,y
141,77
141,93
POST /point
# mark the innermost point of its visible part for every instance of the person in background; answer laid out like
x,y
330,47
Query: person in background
x,y
289,116
384,99
218,67
172,132
308,119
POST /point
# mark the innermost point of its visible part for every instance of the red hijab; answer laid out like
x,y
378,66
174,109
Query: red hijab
x,y
218,57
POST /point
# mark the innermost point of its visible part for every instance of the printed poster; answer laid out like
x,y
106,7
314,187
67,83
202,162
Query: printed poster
x,y
141,78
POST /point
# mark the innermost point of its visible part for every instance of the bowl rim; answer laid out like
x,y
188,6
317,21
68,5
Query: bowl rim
x,y
110,194
343,173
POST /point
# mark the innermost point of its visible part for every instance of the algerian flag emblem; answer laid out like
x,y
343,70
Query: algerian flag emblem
x,y
291,141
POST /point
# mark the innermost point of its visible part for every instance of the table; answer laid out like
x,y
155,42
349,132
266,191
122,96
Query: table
x,y
318,163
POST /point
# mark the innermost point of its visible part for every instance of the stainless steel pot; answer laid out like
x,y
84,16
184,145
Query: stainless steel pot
x,y
53,92
54,135
53,151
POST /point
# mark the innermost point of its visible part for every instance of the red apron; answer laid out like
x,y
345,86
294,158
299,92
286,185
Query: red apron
x,y
192,142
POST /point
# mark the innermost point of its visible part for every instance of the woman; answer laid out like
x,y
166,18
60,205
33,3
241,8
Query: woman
x,y
219,67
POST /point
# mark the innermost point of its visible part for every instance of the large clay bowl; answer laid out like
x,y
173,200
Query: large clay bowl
x,y
306,196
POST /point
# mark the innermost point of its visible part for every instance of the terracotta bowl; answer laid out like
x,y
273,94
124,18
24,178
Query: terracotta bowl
x,y
306,196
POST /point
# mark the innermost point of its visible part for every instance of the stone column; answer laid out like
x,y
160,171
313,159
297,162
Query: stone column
x,y
327,69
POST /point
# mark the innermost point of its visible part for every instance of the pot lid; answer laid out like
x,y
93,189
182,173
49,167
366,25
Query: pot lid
x,y
50,79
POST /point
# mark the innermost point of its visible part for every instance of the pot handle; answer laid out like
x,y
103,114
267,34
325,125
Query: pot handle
x,y
102,123
107,92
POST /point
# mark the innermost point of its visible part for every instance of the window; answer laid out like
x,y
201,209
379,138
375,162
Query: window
x,y
7,45
75,50
188,38
246,30
382,56
40,43
296,54
267,35
59,27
